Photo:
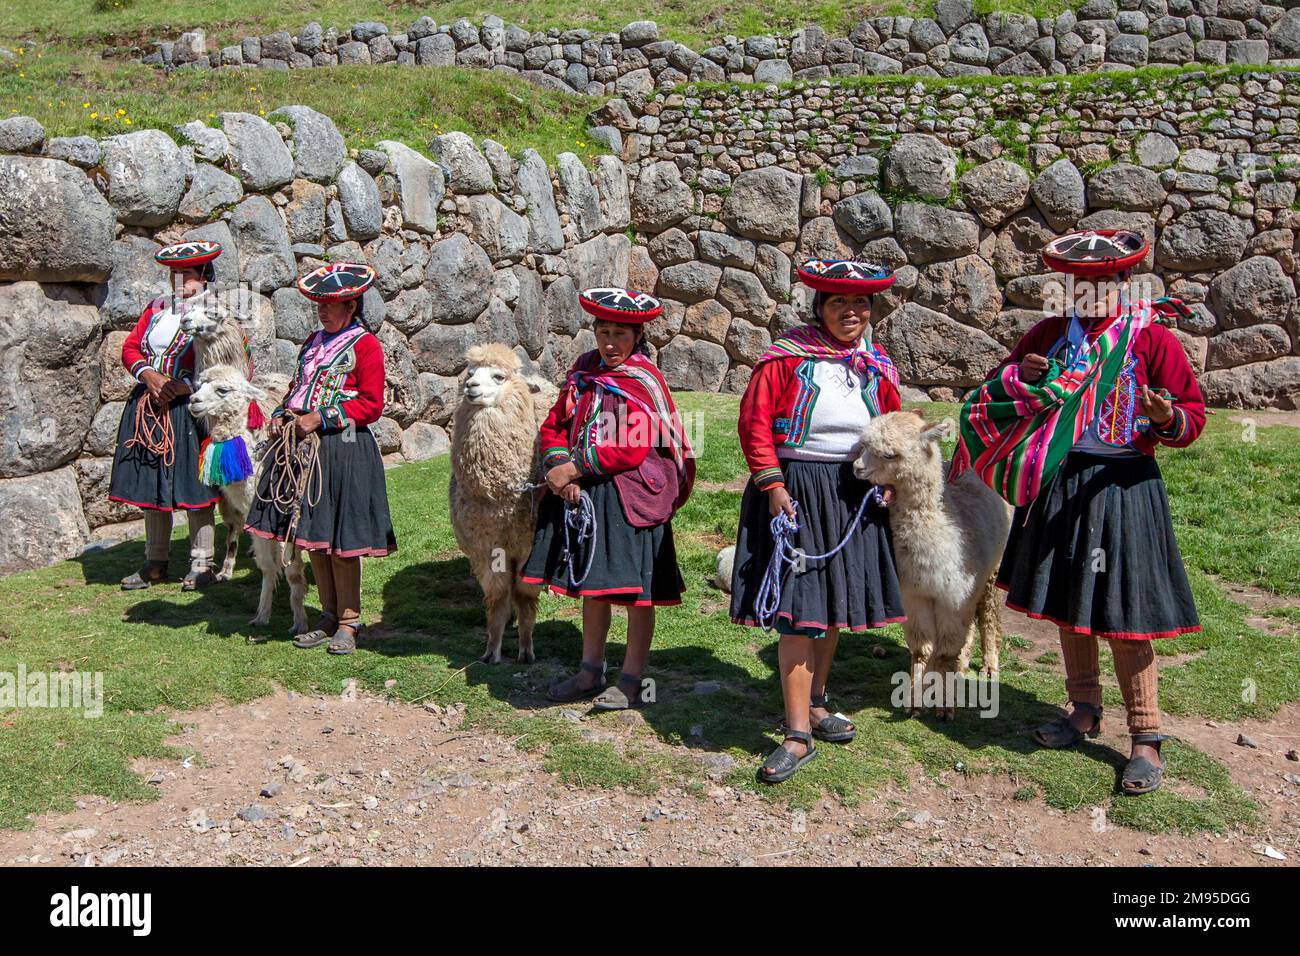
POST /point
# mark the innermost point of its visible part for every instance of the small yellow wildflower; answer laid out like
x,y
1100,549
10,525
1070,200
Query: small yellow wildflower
x,y
94,116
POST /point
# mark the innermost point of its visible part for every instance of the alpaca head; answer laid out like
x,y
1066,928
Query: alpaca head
x,y
490,370
205,317
224,394
901,449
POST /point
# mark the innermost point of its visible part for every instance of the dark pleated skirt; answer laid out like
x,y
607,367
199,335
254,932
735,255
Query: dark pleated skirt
x,y
351,518
140,477
1096,553
855,590
631,566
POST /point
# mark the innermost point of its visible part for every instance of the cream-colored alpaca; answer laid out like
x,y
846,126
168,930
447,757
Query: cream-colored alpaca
x,y
493,455
222,403
218,336
948,540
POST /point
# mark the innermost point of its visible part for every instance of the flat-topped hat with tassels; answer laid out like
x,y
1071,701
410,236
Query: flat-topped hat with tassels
x,y
337,282
620,305
1095,252
845,276
187,255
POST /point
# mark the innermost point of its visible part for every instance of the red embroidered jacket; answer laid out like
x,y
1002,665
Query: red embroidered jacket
x,y
776,408
343,379
1157,360
605,457
649,485
176,361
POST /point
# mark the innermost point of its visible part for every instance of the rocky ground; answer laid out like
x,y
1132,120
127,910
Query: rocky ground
x,y
360,781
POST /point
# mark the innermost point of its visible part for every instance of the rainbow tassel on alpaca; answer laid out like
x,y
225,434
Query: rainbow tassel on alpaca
x,y
224,462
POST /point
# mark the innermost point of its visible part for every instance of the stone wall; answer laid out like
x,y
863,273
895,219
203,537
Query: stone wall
x,y
1102,35
479,246
958,190
715,196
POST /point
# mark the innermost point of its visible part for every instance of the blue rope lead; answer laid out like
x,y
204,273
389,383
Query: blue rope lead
x,y
785,556
579,528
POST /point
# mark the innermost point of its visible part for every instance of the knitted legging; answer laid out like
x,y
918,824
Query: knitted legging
x,y
1135,669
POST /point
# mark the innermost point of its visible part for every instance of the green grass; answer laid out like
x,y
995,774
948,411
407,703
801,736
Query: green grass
x,y
697,22
74,96
165,652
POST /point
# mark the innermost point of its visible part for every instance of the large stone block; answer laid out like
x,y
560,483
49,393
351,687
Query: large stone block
x,y
49,523
764,204
49,347
146,177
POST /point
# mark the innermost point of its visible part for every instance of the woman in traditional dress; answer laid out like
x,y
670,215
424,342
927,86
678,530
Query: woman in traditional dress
x,y
322,485
1067,429
809,399
618,466
156,463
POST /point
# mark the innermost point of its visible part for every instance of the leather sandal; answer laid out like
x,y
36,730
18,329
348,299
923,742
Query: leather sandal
x,y
1140,774
319,636
624,695
344,640
833,729
1060,733
139,580
782,763
197,579
567,691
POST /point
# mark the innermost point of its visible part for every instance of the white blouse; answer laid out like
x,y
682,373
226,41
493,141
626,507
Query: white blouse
x,y
838,417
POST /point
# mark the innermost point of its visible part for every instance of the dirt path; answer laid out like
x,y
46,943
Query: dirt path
x,y
367,781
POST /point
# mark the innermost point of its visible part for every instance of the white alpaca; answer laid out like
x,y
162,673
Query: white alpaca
x,y
948,540
219,341
493,455
222,402
218,336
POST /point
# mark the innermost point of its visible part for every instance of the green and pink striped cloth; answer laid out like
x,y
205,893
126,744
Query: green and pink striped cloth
x,y
1015,434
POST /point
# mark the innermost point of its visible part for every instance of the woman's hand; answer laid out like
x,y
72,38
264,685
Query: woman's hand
x,y
156,383
561,476
1155,407
1032,367
572,493
778,500
306,424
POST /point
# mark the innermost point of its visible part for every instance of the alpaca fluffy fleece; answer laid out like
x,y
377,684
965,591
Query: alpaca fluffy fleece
x,y
222,403
494,454
948,541
217,334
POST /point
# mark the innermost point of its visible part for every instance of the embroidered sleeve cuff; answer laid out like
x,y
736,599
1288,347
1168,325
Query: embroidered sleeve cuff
x,y
137,367
587,461
768,478
1174,429
555,456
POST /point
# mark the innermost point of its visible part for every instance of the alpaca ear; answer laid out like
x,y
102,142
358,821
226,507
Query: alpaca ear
x,y
937,431
253,392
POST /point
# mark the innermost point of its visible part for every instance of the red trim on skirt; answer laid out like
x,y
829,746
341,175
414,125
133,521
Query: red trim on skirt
x,y
1086,632
179,506
323,546
608,595
854,629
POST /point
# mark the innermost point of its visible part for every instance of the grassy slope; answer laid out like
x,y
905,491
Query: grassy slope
x,y
165,651
697,22
71,95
